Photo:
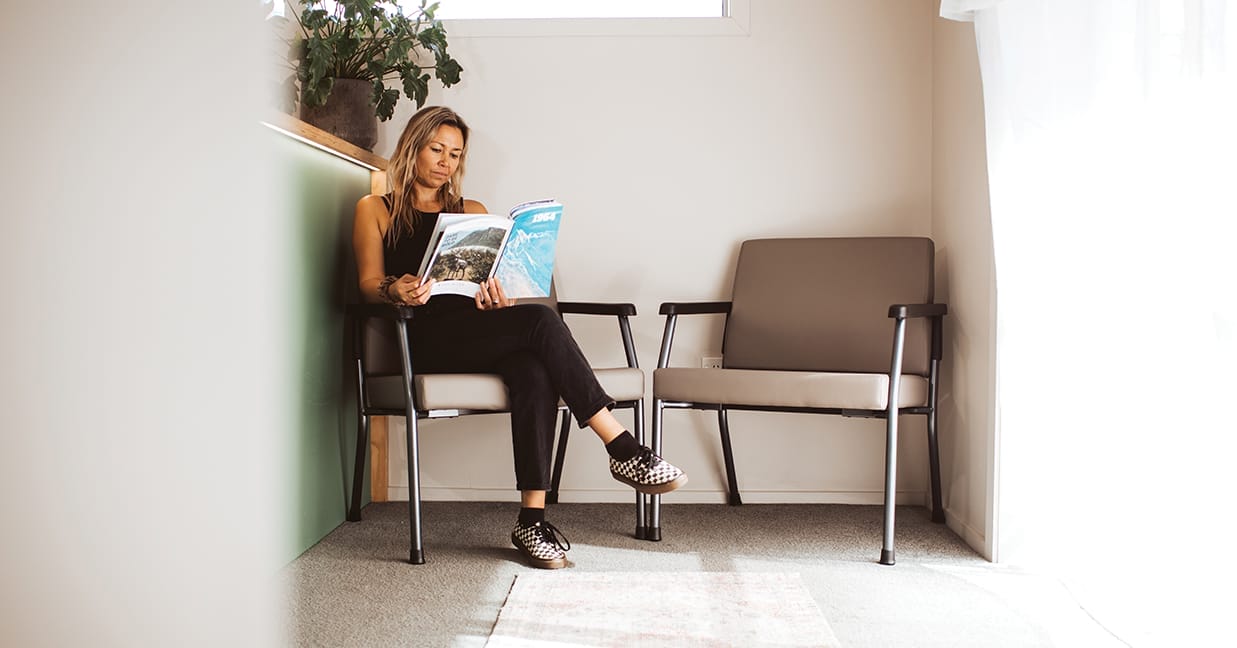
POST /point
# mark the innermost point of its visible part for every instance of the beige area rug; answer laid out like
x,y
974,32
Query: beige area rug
x,y
624,609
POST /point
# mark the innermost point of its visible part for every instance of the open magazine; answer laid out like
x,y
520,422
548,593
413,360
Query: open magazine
x,y
518,249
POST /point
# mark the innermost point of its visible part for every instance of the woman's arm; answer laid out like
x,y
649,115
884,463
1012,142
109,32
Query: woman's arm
x,y
368,227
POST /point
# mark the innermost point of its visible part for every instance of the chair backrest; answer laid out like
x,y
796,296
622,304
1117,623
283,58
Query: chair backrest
x,y
381,348
381,345
822,304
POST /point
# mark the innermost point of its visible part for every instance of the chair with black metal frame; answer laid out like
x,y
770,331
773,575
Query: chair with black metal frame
x,y
804,333
388,385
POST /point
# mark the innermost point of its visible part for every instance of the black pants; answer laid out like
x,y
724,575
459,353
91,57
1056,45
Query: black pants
x,y
533,351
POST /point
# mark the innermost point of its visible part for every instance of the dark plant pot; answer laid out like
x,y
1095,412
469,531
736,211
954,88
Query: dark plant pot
x,y
347,113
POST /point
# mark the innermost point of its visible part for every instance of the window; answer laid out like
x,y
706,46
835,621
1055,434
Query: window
x,y
539,18
473,18
505,9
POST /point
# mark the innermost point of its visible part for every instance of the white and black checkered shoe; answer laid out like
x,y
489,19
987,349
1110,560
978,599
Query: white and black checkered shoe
x,y
541,544
647,473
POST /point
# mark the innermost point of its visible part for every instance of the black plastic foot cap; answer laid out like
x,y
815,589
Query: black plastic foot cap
x,y
354,517
417,557
735,500
938,517
551,497
653,534
887,556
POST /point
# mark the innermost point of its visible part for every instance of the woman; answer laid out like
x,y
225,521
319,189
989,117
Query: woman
x,y
527,344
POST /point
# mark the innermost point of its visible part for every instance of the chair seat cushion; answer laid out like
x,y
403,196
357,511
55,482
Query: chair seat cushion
x,y
621,383
861,391
472,391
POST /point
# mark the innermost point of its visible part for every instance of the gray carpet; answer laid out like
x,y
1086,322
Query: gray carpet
x,y
355,588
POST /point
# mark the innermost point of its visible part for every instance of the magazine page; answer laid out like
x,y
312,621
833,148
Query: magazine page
x,y
465,250
526,262
444,221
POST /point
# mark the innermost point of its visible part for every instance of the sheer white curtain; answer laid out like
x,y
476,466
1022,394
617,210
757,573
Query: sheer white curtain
x,y
1112,152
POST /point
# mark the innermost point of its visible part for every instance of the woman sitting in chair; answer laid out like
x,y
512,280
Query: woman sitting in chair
x,y
527,344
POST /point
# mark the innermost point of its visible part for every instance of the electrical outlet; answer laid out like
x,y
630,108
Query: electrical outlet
x,y
711,362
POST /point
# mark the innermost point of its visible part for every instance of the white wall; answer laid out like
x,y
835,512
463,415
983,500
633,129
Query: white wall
x,y
142,376
670,150
961,226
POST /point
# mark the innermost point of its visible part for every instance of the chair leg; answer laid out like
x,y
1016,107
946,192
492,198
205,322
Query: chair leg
x,y
416,554
934,468
642,528
891,474
653,531
728,456
564,431
891,437
358,472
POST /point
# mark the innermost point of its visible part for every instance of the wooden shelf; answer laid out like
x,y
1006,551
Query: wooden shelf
x,y
314,136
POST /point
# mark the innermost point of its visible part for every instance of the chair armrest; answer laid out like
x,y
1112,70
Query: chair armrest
x,y
359,313
385,311
693,308
622,311
918,310
595,308
935,311
672,310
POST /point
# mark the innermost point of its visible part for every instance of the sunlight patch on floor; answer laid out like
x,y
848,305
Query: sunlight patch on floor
x,y
1042,599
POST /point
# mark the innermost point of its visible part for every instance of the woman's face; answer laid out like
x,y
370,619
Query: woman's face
x,y
440,157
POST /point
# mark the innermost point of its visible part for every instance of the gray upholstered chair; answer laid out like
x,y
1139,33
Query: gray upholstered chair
x,y
866,343
388,385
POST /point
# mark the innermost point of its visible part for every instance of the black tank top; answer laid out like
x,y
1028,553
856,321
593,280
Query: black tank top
x,y
403,255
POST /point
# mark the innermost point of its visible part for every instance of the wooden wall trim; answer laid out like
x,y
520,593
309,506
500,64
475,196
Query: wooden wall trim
x,y
379,480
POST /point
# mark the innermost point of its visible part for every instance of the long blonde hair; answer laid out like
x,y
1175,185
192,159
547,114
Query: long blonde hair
x,y
402,169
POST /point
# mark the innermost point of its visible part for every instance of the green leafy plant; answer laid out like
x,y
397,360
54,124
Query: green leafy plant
x,y
380,42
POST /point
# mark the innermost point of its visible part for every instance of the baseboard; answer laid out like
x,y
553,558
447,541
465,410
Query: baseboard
x,y
973,537
683,496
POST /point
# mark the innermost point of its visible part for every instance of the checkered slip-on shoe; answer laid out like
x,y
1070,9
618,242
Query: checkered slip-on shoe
x,y
647,473
541,544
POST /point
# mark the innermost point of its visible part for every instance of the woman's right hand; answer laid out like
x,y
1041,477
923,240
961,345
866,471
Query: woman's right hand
x,y
410,290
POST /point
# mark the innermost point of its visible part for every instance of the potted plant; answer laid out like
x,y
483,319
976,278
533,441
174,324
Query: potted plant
x,y
349,55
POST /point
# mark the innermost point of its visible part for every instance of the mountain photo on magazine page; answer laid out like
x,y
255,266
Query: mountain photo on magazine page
x,y
467,250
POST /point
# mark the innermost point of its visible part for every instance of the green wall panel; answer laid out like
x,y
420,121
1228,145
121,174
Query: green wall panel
x,y
323,191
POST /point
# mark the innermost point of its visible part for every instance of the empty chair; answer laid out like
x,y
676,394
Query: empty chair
x,y
865,342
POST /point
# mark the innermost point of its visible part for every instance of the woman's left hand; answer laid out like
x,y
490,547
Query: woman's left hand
x,y
491,296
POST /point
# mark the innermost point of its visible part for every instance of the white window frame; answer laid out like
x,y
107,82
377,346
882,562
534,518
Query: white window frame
x,y
734,23
527,9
